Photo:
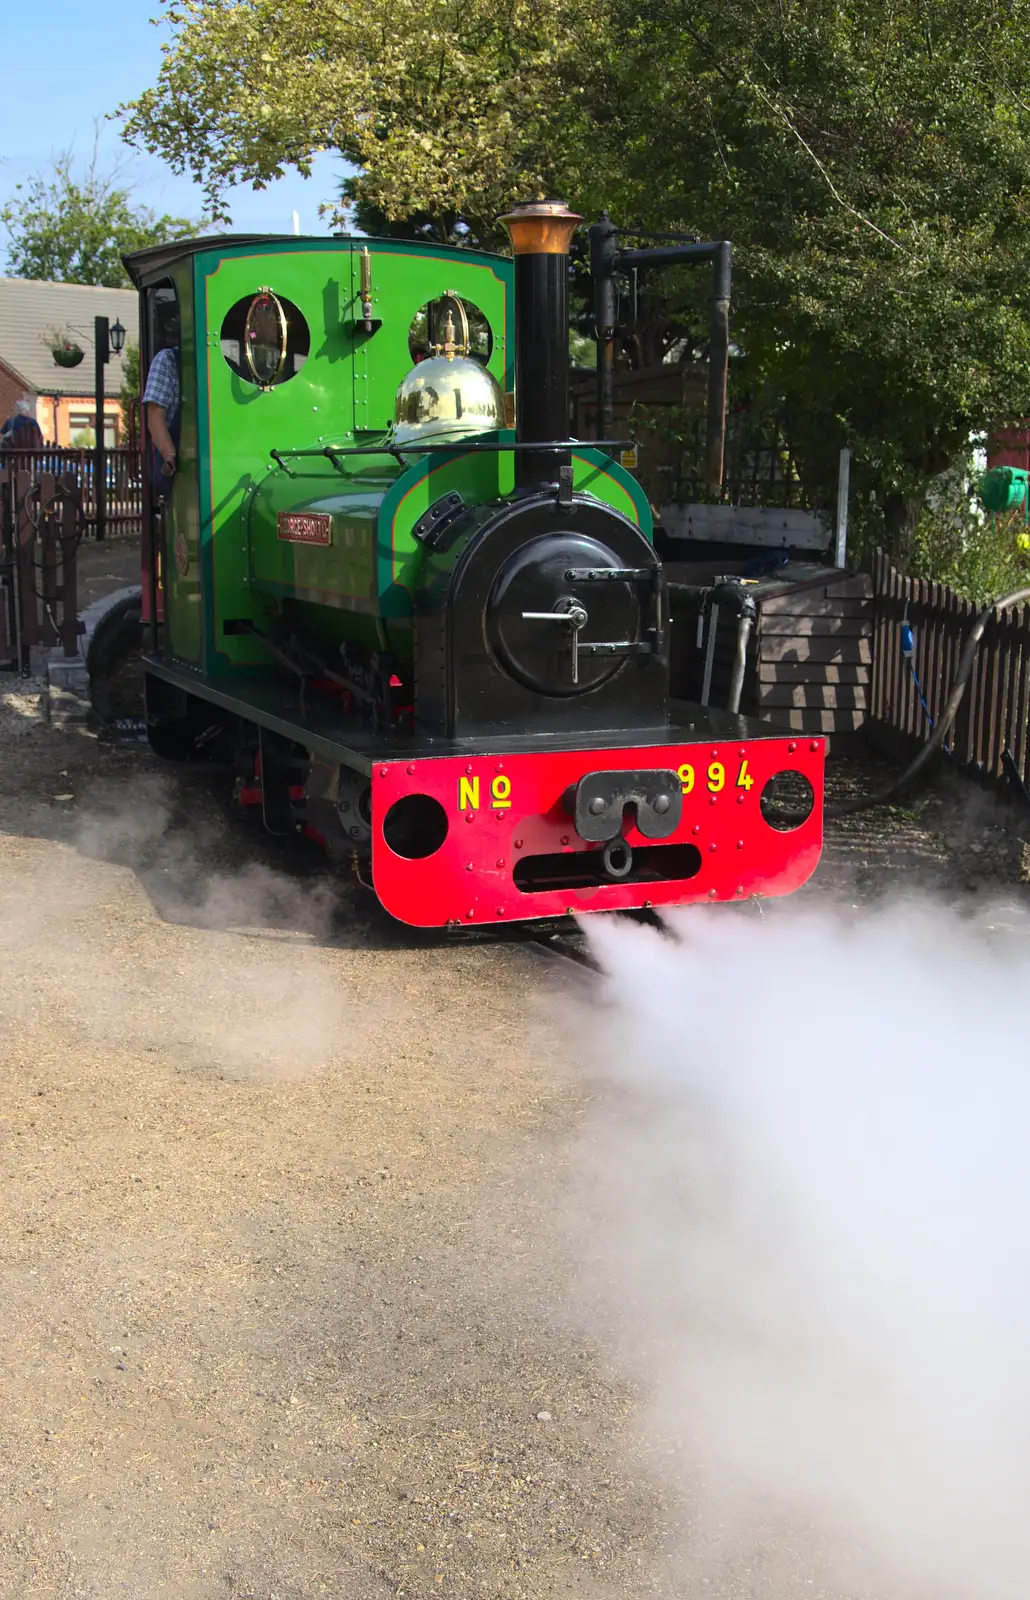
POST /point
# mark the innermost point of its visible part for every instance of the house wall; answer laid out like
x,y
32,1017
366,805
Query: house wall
x,y
12,388
61,417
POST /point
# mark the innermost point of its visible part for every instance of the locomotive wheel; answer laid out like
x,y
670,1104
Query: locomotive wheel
x,y
115,665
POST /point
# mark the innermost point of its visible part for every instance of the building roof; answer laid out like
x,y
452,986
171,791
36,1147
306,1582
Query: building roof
x,y
19,377
28,308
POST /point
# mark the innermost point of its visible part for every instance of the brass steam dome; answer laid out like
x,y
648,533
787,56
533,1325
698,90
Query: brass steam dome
x,y
448,394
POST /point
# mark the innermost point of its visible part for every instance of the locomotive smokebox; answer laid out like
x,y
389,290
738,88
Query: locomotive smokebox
x,y
541,232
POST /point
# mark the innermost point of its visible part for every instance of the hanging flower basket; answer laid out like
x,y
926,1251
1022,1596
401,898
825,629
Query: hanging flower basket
x,y
66,350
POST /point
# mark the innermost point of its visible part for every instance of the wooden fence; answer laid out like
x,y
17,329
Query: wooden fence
x,y
40,527
909,693
124,482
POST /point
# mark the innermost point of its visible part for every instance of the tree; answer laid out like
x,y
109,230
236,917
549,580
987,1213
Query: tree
x,y
446,227
130,376
67,229
446,106
870,161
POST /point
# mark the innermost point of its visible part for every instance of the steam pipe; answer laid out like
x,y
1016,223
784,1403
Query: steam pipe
x,y
713,634
718,365
606,259
736,597
603,252
745,622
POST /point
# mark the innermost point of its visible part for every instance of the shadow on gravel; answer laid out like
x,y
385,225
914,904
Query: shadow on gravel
x,y
202,864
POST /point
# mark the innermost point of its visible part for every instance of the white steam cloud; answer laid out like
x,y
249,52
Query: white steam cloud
x,y
809,1192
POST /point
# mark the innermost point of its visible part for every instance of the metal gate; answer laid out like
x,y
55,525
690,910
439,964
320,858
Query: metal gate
x,y
10,626
41,524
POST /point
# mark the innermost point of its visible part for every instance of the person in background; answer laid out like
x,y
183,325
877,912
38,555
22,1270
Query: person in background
x,y
161,405
21,431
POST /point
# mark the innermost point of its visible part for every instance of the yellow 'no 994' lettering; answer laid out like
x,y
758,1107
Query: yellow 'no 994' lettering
x,y
469,793
715,777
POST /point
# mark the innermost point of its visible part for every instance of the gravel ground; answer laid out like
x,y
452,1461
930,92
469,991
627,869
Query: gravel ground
x,y
264,1189
103,568
284,1295
966,845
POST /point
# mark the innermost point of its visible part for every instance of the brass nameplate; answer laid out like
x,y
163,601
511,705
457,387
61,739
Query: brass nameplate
x,y
305,527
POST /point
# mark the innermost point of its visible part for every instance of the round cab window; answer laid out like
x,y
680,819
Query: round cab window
x,y
450,326
265,339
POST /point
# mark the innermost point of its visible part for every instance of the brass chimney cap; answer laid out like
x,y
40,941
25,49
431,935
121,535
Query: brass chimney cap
x,y
541,228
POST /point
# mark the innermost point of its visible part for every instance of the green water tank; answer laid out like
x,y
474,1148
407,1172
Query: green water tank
x,y
1004,489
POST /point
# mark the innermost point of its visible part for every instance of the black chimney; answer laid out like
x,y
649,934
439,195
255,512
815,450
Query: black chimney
x,y
541,232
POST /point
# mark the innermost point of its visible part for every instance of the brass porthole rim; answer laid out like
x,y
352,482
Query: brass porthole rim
x,y
266,383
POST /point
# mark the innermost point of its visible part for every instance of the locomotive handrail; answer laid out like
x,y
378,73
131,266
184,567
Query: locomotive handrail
x,y
547,447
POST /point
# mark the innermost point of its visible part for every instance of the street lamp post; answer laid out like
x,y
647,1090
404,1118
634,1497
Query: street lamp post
x,y
105,339
101,350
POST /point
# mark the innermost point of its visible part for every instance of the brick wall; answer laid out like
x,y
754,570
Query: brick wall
x,y
11,389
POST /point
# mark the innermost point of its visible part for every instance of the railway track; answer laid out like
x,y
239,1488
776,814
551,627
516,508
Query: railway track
x,y
565,945
562,946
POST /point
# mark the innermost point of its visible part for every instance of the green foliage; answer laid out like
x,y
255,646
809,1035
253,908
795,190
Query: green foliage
x,y
956,542
130,377
367,217
447,108
870,161
582,349
65,229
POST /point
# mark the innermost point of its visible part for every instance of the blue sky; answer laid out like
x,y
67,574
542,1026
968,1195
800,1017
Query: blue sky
x,y
65,65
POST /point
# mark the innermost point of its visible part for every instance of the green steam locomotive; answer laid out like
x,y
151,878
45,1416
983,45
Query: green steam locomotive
x,y
427,627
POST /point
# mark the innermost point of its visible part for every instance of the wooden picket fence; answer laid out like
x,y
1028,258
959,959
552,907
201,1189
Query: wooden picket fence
x,y
909,693
41,523
124,473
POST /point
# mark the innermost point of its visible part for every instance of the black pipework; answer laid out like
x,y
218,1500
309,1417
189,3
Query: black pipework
x,y
606,259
